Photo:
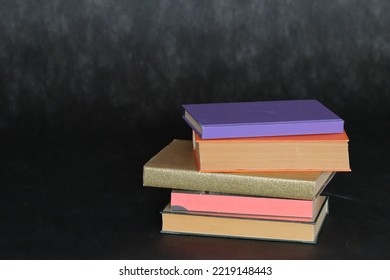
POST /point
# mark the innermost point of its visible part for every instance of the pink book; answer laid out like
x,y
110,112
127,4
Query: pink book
x,y
247,205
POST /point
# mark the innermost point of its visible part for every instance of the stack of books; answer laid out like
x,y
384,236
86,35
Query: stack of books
x,y
252,170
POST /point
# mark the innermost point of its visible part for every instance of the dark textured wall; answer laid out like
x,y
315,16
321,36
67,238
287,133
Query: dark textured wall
x,y
126,65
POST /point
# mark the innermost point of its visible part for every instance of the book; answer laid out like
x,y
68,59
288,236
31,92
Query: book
x,y
174,167
261,118
233,226
317,152
241,204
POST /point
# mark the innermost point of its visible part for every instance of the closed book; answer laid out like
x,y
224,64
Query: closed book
x,y
261,118
318,152
242,204
242,226
174,167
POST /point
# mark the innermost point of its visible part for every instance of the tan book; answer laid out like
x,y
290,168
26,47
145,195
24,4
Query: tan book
x,y
174,167
233,226
318,152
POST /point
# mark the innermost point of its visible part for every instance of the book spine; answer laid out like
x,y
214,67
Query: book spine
x,y
173,223
240,204
255,157
276,129
228,183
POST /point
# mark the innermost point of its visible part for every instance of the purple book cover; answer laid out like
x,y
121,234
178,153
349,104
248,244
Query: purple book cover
x,y
261,118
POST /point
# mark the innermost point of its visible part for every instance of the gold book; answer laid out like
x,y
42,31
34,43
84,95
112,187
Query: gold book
x,y
244,226
174,167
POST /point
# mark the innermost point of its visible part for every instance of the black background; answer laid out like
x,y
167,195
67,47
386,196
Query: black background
x,y
91,90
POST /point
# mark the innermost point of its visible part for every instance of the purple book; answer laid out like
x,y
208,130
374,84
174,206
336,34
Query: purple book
x,y
261,118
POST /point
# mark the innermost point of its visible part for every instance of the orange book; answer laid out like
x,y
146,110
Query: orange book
x,y
319,152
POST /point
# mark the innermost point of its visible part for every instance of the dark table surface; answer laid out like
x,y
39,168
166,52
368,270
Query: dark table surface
x,y
75,196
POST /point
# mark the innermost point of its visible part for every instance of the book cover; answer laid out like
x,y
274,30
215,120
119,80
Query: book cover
x,y
317,152
210,224
261,118
174,167
241,204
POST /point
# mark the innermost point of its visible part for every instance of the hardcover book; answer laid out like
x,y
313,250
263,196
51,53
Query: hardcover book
x,y
174,167
241,226
261,118
241,204
318,152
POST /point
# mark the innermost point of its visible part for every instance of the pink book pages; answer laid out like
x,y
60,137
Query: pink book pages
x,y
247,205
